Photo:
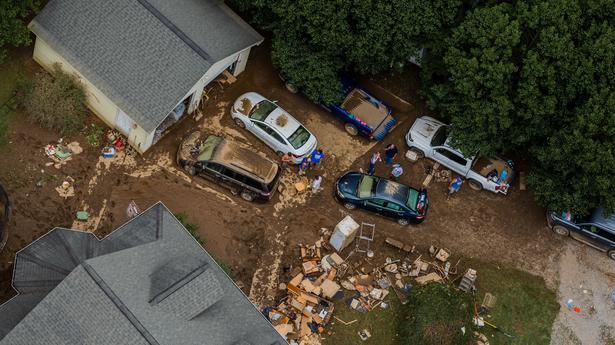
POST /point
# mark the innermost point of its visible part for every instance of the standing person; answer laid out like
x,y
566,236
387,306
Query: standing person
x,y
372,163
317,156
396,172
454,186
316,184
390,152
286,159
305,165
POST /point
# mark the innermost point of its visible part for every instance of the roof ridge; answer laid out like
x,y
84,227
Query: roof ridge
x,y
179,33
106,289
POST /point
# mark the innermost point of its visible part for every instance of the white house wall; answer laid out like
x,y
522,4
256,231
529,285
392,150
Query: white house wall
x,y
100,104
213,72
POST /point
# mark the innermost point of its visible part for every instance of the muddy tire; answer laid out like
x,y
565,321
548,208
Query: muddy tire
x,y
475,184
419,154
611,254
240,123
351,129
247,196
350,206
291,87
560,230
190,169
403,221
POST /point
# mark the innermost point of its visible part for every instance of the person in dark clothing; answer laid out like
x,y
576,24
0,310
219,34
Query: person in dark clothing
x,y
390,152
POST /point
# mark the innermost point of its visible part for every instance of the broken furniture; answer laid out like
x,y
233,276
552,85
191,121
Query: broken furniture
x,y
366,234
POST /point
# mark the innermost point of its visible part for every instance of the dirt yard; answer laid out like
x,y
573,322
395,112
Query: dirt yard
x,y
257,240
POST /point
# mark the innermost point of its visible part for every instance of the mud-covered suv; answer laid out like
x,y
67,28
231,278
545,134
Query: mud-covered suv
x,y
242,171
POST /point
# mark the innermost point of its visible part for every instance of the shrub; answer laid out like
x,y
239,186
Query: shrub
x,y
56,101
94,134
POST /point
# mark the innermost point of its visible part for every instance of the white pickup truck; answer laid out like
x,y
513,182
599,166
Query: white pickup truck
x,y
428,138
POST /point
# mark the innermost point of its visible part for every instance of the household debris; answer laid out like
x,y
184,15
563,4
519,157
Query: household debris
x,y
364,334
66,189
344,233
60,153
467,281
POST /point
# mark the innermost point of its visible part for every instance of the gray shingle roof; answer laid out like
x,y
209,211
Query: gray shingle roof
x,y
148,282
145,55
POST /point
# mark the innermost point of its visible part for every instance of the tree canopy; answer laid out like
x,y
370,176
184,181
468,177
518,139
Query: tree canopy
x,y
529,79
315,40
13,25
537,78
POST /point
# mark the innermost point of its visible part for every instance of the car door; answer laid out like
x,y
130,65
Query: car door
x,y
450,159
595,236
263,131
394,210
221,175
376,205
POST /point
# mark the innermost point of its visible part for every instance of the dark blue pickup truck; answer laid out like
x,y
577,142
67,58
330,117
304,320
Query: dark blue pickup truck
x,y
362,112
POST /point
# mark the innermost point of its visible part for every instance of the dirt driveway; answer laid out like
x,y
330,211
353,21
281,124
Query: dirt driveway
x,y
255,239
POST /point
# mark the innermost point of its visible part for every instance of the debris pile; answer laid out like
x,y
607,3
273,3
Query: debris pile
x,y
61,153
324,278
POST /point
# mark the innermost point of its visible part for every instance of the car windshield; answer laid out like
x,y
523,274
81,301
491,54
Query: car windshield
x,y
262,110
299,137
367,187
440,137
413,198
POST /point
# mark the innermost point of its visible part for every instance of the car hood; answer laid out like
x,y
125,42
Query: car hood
x,y
349,183
424,128
246,102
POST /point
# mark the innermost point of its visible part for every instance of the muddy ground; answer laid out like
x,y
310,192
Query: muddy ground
x,y
257,240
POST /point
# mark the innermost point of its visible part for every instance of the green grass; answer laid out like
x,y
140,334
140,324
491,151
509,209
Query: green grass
x,y
10,76
193,229
524,307
378,322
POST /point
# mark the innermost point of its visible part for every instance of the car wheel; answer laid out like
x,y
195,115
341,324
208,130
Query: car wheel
x,y
350,206
190,169
419,154
291,87
475,185
247,196
612,254
560,230
403,221
351,129
240,123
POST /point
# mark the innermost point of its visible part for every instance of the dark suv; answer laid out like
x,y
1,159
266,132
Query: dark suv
x,y
595,230
377,194
242,171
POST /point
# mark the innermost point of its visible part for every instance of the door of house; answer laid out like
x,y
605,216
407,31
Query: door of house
x,y
123,123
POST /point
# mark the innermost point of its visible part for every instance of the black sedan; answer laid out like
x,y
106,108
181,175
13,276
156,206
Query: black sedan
x,y
377,194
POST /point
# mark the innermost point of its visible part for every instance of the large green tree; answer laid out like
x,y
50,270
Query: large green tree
x,y
536,78
314,40
13,25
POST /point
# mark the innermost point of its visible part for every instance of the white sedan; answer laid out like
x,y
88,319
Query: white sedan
x,y
273,125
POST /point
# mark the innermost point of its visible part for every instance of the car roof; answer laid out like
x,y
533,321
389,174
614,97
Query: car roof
x,y
240,158
391,190
597,217
289,126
